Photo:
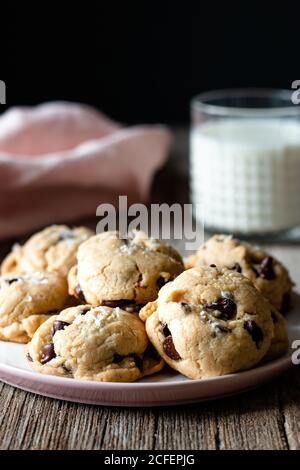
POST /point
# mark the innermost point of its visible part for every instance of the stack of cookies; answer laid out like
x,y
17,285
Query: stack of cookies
x,y
75,297
99,307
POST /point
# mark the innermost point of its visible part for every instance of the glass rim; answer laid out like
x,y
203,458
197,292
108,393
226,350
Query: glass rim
x,y
199,102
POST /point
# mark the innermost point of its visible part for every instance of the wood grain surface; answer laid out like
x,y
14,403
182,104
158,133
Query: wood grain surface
x,y
265,418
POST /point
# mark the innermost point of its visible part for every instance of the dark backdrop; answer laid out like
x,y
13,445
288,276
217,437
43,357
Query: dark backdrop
x,y
144,60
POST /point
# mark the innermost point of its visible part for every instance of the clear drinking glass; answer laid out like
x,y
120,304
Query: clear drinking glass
x,y
245,160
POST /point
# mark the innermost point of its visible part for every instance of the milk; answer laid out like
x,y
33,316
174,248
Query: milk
x,y
245,173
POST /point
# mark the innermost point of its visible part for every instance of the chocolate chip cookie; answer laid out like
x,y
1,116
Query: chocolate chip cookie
x,y
209,322
93,343
125,273
27,300
52,249
268,275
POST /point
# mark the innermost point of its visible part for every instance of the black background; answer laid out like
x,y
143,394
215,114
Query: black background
x,y
142,61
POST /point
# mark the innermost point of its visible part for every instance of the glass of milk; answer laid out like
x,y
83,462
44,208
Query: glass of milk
x,y
245,160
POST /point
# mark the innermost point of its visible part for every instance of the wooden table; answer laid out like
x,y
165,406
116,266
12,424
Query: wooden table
x,y
265,418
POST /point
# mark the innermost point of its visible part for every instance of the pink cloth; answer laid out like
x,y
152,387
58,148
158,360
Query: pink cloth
x,y
59,161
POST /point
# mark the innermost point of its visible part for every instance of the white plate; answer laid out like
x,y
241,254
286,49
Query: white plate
x,y
165,388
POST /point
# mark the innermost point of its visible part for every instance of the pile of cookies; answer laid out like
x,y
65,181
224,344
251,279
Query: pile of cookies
x,y
99,307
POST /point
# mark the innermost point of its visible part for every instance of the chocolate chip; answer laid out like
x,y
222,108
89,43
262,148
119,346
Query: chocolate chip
x,y
169,349
79,293
286,302
161,282
85,310
138,361
254,331
226,307
116,303
212,265
168,345
117,358
47,353
12,280
152,353
59,325
255,271
186,307
29,358
274,318
266,270
165,330
236,267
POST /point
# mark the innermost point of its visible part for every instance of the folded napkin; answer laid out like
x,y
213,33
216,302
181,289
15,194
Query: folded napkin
x,y
59,161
